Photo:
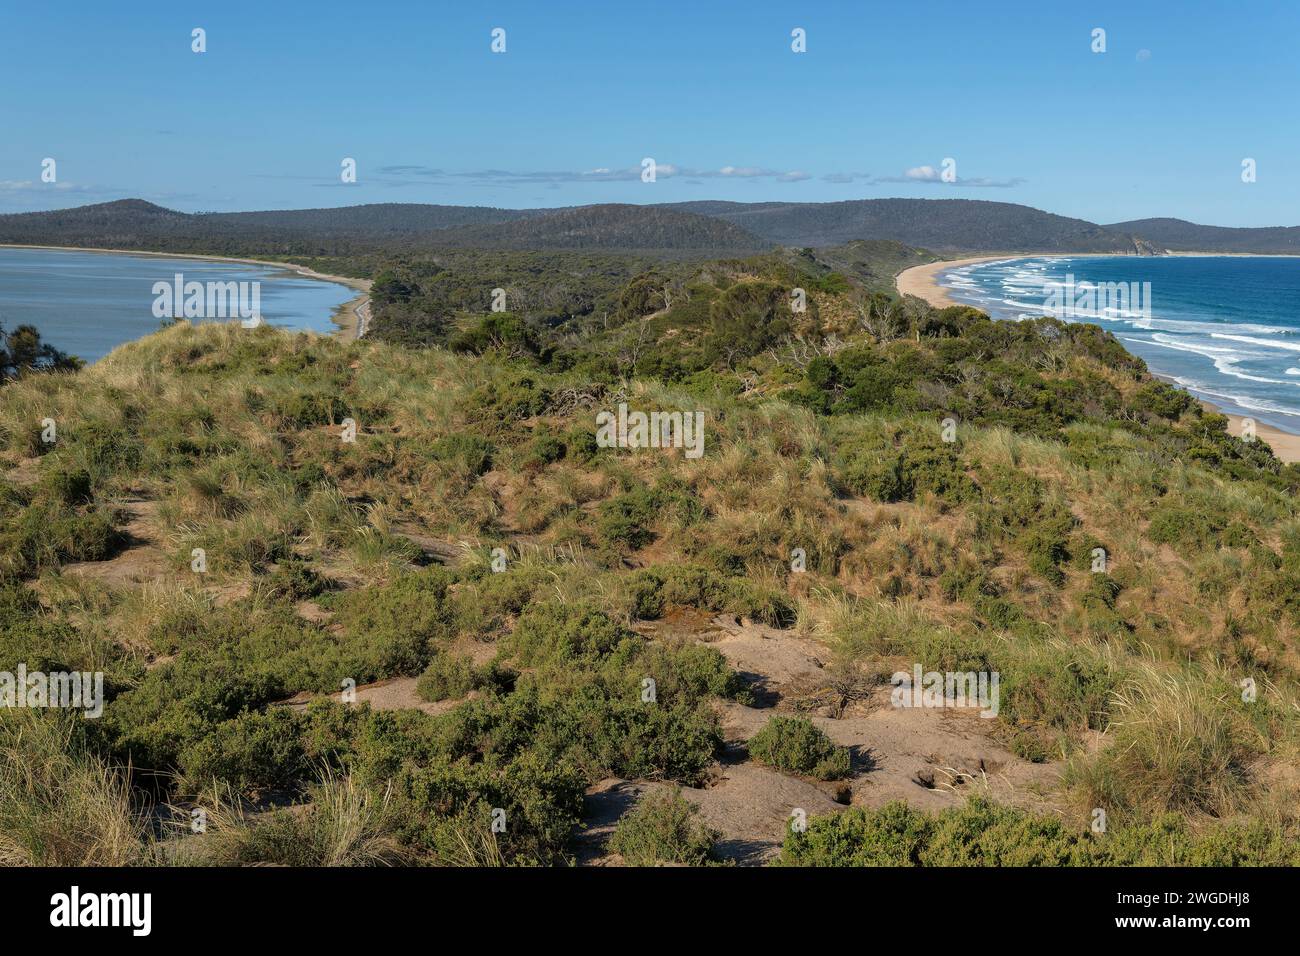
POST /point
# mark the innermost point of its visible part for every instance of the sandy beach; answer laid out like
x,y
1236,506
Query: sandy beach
x,y
922,281
1285,445
351,317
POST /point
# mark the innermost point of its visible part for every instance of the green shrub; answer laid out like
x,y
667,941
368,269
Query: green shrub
x,y
654,589
397,625
449,677
294,579
48,532
980,833
662,828
553,631
469,452
68,486
251,752
691,672
1197,528
796,745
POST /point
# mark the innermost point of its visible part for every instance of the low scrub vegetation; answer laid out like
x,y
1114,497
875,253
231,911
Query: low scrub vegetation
x,y
662,829
795,745
896,484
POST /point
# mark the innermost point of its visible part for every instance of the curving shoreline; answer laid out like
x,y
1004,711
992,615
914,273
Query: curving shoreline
x,y
351,317
923,282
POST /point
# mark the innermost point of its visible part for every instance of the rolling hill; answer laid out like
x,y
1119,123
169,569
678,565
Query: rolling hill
x,y
944,225
136,224
1184,236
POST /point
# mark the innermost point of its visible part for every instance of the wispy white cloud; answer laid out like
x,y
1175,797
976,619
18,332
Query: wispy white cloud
x,y
927,174
407,174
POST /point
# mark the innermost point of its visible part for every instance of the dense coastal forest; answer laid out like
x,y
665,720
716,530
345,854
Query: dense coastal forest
x,y
566,652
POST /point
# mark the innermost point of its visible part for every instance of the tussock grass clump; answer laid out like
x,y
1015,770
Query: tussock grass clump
x,y
61,804
1181,742
344,824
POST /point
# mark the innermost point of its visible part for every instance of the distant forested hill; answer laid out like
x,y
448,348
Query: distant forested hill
x,y
390,218
714,228
357,230
945,225
610,226
1181,235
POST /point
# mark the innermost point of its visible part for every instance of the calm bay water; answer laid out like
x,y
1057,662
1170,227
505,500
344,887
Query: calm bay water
x,y
1227,328
88,303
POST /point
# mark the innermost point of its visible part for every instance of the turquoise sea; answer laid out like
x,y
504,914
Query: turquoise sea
x,y
87,303
1227,328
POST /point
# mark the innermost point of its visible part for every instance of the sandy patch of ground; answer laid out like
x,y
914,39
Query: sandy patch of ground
x,y
395,694
141,558
772,662
312,612
929,758
749,806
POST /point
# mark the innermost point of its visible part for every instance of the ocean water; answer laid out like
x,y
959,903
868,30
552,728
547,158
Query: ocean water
x,y
1227,328
88,303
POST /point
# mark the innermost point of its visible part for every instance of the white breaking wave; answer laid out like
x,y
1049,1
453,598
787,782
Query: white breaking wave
x,y
1225,360
1288,346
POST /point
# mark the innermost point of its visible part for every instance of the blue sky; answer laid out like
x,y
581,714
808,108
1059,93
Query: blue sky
x,y
1157,125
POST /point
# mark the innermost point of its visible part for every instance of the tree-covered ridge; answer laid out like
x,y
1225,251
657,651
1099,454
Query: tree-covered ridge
x,y
361,231
948,225
690,228
1181,235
